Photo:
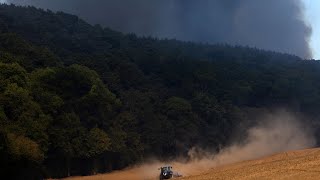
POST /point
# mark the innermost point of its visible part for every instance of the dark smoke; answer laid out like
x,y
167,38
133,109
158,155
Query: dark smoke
x,y
276,25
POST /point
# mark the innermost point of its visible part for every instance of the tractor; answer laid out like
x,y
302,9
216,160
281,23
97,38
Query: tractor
x,y
166,172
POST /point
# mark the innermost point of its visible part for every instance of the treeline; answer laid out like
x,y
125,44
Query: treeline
x,y
77,99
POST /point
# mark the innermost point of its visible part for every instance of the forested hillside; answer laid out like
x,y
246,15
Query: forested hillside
x,y
77,99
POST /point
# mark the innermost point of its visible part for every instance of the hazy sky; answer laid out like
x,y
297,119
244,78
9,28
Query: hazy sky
x,y
313,16
267,24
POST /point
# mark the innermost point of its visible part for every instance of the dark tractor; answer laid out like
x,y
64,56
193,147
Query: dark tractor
x,y
166,172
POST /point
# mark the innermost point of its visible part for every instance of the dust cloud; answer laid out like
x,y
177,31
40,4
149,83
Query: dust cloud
x,y
278,132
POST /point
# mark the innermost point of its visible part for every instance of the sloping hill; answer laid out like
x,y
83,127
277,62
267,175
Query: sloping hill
x,y
303,164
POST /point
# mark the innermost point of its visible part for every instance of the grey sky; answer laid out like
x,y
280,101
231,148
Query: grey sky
x,y
267,24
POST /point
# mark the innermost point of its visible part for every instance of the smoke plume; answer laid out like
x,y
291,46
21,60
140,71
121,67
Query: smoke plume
x,y
272,25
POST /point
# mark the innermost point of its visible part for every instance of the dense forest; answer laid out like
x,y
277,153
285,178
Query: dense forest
x,y
77,99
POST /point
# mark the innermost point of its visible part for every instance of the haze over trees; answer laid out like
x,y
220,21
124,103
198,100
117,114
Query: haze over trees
x,y
271,25
77,99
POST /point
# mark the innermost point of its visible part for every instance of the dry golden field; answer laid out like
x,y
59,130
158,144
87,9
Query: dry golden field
x,y
303,164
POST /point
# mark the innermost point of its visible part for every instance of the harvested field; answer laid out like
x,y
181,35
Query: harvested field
x,y
302,164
